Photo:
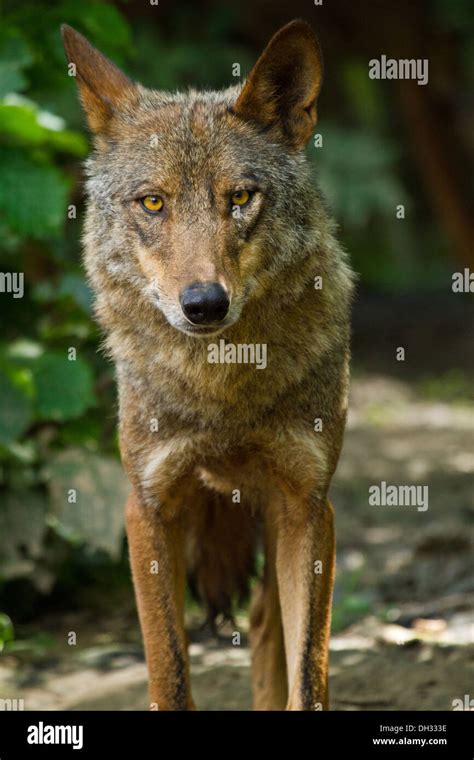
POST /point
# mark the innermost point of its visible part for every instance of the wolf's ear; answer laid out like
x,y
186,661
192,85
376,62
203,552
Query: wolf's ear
x,y
284,84
103,88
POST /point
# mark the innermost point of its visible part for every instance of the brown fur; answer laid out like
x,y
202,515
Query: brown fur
x,y
230,428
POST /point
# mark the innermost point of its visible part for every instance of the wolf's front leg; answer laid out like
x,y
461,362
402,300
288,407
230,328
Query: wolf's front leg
x,y
158,568
305,557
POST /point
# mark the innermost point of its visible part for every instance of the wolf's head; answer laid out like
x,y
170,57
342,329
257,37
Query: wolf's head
x,y
191,194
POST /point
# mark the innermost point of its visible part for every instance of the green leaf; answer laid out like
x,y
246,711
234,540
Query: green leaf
x,y
357,174
64,388
22,123
103,22
75,285
14,57
15,410
6,630
33,197
72,285
22,529
100,489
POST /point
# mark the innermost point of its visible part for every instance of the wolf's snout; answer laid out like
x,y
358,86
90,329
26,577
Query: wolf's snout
x,y
204,303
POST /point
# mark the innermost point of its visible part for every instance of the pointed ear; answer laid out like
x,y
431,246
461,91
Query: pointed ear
x,y
103,88
284,84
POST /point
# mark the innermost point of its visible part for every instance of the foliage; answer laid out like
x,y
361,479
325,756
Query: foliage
x,y
56,393
6,631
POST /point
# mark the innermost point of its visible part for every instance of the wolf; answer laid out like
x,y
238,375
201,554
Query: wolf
x,y
203,219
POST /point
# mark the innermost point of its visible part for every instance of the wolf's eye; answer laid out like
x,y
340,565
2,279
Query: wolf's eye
x,y
240,198
152,203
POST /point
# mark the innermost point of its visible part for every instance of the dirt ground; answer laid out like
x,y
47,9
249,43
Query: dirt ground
x,y
403,623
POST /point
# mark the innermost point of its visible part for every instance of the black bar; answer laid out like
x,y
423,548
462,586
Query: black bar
x,y
317,735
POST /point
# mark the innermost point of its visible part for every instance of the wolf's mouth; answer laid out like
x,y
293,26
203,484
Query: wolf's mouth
x,y
207,331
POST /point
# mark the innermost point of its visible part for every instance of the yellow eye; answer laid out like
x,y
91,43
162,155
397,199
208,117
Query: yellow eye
x,y
240,198
152,203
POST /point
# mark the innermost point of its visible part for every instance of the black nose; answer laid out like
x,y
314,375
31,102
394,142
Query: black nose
x,y
204,302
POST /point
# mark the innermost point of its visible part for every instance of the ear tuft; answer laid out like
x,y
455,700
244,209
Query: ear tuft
x,y
283,86
103,88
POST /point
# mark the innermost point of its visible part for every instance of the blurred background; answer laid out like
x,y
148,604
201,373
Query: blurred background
x,y
402,628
